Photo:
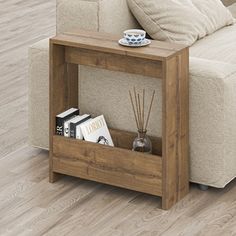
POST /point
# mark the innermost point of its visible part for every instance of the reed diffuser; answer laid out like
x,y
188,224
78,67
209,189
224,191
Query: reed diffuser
x,y
142,142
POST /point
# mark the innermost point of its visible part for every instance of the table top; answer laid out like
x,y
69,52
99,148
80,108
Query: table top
x,y
105,42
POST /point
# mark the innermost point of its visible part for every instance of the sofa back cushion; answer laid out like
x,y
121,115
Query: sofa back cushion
x,y
111,16
180,21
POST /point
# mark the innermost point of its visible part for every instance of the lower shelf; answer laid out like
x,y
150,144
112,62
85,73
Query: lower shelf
x,y
116,166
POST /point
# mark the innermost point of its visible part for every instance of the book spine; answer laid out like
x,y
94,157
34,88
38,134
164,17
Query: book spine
x,y
79,134
59,126
72,130
66,128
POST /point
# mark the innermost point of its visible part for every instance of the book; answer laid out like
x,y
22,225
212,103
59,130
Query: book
x,y
74,129
67,126
64,116
97,131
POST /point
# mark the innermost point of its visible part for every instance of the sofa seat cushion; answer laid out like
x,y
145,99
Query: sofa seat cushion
x,y
220,46
180,21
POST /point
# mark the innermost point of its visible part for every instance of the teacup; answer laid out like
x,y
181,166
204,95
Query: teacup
x,y
134,36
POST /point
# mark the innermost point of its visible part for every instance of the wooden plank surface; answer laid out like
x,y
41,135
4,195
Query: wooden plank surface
x,y
169,133
30,206
125,140
183,124
22,23
63,92
109,43
175,130
113,62
110,165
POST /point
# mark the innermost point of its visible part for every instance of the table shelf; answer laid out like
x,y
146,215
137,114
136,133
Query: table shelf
x,y
111,165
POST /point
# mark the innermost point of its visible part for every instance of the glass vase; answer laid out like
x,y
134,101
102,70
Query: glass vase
x,y
142,143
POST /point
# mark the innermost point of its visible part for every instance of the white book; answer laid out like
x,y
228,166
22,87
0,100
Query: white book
x,y
97,131
79,134
67,112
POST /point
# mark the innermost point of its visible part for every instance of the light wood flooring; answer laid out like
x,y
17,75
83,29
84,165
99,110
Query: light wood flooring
x,y
22,22
30,206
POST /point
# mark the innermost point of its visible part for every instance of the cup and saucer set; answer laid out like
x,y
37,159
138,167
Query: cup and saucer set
x,y
134,38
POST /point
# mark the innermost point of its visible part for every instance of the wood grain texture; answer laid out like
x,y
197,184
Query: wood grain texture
x,y
63,92
29,205
22,23
110,165
113,62
168,62
125,140
107,43
175,150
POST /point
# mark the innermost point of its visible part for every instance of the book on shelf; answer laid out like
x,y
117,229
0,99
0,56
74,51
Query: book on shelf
x,y
63,117
75,130
96,131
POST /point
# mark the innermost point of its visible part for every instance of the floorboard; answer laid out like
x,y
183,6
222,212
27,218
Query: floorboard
x,y
31,206
22,23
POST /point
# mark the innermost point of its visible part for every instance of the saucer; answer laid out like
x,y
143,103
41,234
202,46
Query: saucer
x,y
124,42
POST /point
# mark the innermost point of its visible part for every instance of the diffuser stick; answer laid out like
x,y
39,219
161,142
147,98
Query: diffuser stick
x,y
149,110
132,102
136,102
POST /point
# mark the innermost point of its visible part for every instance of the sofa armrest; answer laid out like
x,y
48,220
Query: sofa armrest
x,y
38,85
209,68
95,15
212,121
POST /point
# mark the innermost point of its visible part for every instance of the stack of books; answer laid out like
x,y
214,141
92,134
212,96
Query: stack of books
x,y
71,124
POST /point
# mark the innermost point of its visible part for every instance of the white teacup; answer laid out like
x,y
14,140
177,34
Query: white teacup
x,y
134,36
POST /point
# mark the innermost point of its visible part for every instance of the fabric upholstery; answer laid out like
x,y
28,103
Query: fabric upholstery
x,y
99,15
38,94
232,9
212,94
180,21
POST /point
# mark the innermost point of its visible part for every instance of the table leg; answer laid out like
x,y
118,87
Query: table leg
x,y
63,88
175,129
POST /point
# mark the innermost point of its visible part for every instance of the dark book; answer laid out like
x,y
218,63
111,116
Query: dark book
x,y
64,116
75,131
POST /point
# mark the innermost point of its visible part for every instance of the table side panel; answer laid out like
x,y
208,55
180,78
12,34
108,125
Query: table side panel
x,y
63,88
175,130
183,120
110,165
169,132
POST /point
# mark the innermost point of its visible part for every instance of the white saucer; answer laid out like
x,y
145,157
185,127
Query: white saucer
x,y
124,42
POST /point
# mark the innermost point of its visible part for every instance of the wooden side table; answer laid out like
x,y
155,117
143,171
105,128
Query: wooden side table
x,y
166,172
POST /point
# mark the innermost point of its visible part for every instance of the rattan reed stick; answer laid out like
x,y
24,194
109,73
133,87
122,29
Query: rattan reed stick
x,y
140,113
149,110
132,102
143,110
136,102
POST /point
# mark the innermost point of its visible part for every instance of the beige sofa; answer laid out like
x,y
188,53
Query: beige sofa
x,y
212,89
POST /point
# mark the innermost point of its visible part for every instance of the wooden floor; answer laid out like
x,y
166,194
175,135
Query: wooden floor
x,y
30,206
22,22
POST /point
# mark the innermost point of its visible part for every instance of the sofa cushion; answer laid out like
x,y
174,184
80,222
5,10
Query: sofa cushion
x,y
181,21
220,46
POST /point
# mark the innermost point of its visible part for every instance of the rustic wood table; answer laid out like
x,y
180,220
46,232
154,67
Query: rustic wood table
x,y
165,173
